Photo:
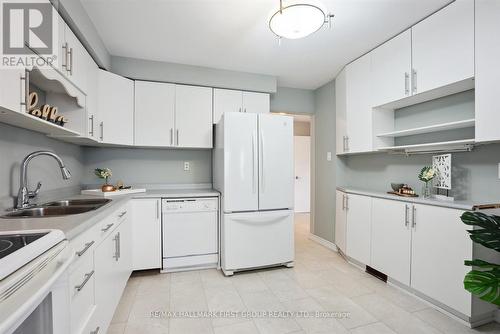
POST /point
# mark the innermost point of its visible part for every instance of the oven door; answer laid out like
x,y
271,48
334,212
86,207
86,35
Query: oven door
x,y
35,299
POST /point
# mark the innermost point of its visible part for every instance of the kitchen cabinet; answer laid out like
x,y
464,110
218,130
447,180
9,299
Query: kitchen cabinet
x,y
340,220
228,100
358,227
193,116
115,108
487,50
440,244
146,233
341,110
391,238
443,47
154,114
91,104
391,70
12,90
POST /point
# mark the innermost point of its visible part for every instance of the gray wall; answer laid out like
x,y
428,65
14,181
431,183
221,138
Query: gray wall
x,y
149,166
194,75
324,171
293,100
16,143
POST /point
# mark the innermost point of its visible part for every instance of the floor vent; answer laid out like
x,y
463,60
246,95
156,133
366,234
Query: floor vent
x,y
381,276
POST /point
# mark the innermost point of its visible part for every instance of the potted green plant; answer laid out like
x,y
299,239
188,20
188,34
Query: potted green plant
x,y
484,279
104,173
426,175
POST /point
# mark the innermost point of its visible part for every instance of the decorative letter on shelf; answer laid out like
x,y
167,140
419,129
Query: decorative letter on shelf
x,y
45,112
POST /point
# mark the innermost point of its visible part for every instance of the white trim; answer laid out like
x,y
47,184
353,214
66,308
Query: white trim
x,y
323,242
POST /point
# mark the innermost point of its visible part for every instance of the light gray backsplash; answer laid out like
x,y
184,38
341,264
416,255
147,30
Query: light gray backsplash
x,y
149,166
16,143
293,100
325,171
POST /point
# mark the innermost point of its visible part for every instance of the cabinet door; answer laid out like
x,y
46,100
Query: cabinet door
x,y
358,232
359,109
116,108
391,68
340,221
391,239
440,244
125,255
92,70
146,234
76,70
193,116
256,103
12,90
443,47
341,110
226,100
154,114
487,70
62,54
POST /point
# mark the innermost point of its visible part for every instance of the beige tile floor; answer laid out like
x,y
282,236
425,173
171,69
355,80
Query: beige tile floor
x,y
320,281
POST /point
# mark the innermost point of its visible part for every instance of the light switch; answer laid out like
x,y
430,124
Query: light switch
x,y
187,167
329,156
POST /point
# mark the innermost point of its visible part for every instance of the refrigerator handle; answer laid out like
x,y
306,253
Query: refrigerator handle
x,y
254,160
262,188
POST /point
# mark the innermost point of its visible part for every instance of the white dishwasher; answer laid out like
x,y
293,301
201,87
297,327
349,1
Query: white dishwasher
x,y
189,233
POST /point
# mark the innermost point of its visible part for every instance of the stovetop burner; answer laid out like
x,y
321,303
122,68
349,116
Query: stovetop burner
x,y
9,243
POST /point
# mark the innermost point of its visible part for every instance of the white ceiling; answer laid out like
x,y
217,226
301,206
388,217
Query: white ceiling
x,y
234,35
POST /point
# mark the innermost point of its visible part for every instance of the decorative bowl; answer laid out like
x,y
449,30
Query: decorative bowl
x,y
397,186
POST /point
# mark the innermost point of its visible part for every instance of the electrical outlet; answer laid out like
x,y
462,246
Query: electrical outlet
x,y
187,167
328,156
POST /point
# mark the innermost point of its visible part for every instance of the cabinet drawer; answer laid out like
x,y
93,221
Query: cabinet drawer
x,y
81,285
83,246
109,224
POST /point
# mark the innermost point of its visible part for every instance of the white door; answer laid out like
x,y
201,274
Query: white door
x,y
487,70
340,221
146,233
240,162
359,110
391,238
256,103
358,232
340,110
302,157
391,68
440,244
257,239
193,116
443,47
116,108
275,162
154,113
226,100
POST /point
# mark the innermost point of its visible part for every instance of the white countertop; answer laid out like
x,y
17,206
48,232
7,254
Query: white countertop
x,y
460,205
73,225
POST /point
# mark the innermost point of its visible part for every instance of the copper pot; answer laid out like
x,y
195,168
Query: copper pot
x,y
107,188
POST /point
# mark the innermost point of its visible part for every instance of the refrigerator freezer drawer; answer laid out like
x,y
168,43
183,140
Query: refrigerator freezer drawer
x,y
257,239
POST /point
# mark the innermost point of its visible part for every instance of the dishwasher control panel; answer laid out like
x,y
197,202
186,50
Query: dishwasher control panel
x,y
189,204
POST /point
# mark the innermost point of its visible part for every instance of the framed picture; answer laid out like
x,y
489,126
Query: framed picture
x,y
442,166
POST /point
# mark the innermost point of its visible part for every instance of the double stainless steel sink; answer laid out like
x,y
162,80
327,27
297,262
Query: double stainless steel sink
x,y
59,208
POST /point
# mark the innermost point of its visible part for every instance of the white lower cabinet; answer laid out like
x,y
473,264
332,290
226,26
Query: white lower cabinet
x,y
358,227
391,239
340,221
146,233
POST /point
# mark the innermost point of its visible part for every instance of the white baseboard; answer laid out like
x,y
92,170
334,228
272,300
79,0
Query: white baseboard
x,y
323,242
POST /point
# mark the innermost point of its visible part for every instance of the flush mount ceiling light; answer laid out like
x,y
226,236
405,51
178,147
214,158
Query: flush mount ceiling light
x,y
298,20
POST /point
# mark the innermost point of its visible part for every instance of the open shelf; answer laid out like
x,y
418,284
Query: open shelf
x,y
432,128
445,145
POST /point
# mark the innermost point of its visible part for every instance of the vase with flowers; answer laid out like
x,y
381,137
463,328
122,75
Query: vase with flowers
x,y
105,173
426,175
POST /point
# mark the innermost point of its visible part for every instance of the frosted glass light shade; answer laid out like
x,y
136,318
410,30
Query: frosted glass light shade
x,y
297,21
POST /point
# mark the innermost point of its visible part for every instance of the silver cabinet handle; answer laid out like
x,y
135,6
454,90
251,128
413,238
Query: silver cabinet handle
x,y
26,102
343,143
262,171
96,331
407,83
245,110
86,248
157,209
70,61
117,246
414,217
346,143
239,110
122,214
177,136
343,202
91,131
102,130
87,278
65,48
254,160
347,202
407,221
414,81
106,229
171,136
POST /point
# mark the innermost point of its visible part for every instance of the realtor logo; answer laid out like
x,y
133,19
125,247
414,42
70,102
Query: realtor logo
x,y
27,29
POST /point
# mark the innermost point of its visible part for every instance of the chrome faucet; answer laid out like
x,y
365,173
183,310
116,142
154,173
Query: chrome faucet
x,y
24,195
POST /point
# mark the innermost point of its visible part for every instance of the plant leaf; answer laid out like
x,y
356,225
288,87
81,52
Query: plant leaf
x,y
482,264
488,233
484,284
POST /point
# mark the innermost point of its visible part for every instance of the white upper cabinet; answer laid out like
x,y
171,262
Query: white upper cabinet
x,y
154,114
391,70
116,108
341,109
12,89
76,59
359,110
91,103
443,47
193,116
487,70
256,103
228,100
358,233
